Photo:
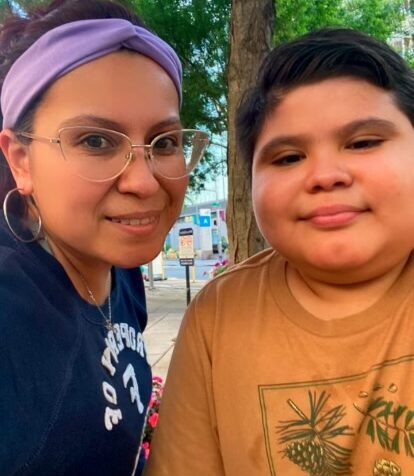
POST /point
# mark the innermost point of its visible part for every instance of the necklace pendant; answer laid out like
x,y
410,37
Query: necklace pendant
x,y
109,325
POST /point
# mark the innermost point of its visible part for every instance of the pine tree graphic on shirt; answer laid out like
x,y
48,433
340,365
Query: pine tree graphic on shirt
x,y
311,441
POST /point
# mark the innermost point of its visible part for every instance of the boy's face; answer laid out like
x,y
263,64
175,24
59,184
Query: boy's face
x,y
333,180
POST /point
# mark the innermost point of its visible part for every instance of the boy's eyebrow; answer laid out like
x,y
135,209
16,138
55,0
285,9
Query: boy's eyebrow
x,y
290,140
348,129
369,122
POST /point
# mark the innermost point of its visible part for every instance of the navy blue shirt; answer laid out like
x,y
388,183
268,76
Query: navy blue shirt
x,y
73,396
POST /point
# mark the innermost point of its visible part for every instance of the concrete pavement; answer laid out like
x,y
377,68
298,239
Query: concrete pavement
x,y
166,304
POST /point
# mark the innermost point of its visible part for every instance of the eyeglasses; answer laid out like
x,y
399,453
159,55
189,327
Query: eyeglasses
x,y
100,155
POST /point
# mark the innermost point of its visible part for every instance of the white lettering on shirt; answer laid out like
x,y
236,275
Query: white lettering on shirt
x,y
106,362
132,338
140,345
121,337
129,375
112,417
109,393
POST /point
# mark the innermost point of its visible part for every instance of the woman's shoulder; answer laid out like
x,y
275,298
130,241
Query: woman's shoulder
x,y
16,263
14,266
31,281
8,244
13,253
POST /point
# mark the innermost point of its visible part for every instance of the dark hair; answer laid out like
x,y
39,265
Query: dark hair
x,y
314,57
18,33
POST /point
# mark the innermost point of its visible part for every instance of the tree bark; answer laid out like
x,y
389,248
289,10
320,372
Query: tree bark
x,y
252,23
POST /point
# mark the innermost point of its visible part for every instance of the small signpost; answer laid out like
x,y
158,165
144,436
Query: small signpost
x,y
186,255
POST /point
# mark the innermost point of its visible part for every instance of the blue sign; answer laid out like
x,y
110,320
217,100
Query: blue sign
x,y
205,220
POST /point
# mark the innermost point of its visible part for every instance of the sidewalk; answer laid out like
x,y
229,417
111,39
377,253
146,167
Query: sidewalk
x,y
166,305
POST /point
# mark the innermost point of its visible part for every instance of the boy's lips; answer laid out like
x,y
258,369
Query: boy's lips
x,y
333,215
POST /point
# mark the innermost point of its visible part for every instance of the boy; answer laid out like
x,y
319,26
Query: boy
x,y
300,360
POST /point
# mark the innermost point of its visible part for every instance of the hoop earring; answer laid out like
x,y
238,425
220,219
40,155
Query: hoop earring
x,y
6,217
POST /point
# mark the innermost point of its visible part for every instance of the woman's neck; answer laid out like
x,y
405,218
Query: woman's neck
x,y
86,275
330,301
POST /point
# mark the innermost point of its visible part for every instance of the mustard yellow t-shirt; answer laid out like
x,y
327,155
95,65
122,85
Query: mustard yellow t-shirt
x,y
258,386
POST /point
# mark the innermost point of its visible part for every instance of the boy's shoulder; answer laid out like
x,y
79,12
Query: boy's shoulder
x,y
257,262
247,275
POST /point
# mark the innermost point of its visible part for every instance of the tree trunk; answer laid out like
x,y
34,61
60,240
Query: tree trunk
x,y
252,23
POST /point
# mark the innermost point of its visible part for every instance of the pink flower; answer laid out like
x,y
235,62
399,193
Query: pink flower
x,y
153,419
156,378
146,448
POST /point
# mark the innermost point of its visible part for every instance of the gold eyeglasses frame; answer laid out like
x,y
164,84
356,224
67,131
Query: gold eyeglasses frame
x,y
130,157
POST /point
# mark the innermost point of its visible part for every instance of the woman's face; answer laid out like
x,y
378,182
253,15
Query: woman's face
x,y
123,221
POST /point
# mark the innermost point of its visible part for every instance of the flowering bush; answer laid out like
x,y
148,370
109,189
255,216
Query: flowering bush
x,y
219,267
152,415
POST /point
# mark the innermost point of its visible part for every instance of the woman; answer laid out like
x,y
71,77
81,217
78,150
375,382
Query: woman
x,y
94,176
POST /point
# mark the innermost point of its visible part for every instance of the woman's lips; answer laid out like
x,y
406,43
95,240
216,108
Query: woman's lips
x,y
134,221
333,215
140,223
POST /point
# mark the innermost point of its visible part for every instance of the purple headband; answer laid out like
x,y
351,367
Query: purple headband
x,y
70,45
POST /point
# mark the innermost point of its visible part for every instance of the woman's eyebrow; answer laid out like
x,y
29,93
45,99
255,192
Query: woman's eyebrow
x,y
91,120
98,121
167,124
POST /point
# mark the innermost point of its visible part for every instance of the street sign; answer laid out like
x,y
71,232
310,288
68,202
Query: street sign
x,y
186,247
205,217
205,221
186,255
187,261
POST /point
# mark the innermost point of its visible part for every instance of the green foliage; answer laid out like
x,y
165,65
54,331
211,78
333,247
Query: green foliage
x,y
410,59
379,18
297,17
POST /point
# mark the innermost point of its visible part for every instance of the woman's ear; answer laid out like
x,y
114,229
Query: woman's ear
x,y
17,156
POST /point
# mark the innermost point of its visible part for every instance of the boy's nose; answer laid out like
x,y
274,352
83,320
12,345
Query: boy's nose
x,y
326,174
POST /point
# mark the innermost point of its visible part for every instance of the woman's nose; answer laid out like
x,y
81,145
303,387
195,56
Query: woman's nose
x,y
138,177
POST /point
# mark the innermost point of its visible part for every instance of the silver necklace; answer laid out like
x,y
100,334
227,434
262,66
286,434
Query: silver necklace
x,y
107,318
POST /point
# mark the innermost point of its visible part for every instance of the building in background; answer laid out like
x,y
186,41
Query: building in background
x,y
208,221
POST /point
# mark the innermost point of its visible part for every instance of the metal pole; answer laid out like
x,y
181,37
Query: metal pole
x,y
187,280
150,276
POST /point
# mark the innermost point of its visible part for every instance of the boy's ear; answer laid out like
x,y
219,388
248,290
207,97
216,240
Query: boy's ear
x,y
17,156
